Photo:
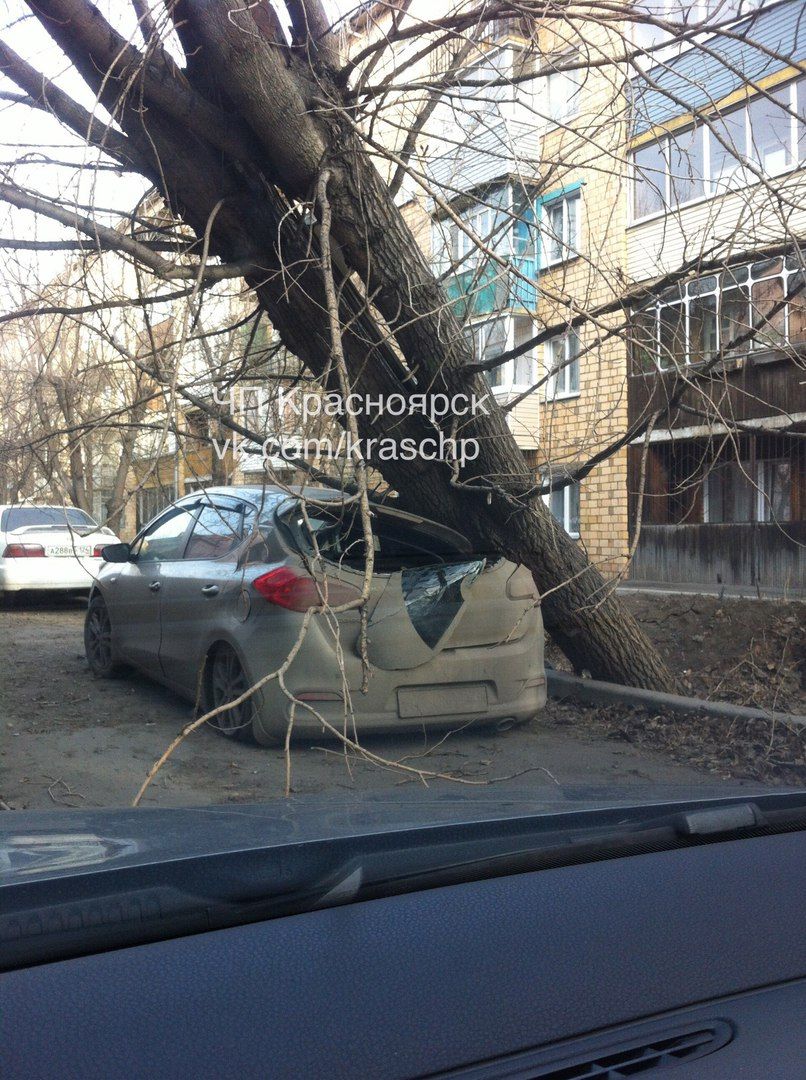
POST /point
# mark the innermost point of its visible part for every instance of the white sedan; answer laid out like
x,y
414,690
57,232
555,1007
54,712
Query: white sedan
x,y
49,548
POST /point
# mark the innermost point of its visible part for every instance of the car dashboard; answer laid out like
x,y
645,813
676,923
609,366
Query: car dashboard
x,y
684,963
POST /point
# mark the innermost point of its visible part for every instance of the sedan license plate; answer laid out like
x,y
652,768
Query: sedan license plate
x,y
441,700
59,551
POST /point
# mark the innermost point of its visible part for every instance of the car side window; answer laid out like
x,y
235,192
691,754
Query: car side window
x,y
165,539
218,530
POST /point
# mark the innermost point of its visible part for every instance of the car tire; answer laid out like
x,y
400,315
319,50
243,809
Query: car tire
x,y
8,600
98,641
226,681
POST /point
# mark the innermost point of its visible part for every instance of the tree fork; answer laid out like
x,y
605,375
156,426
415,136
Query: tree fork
x,y
494,502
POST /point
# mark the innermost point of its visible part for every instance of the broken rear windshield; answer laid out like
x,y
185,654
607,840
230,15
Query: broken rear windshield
x,y
398,542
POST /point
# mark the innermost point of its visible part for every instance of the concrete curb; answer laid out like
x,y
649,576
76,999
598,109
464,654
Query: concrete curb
x,y
561,685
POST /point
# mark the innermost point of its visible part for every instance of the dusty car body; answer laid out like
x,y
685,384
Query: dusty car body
x,y
212,595
49,548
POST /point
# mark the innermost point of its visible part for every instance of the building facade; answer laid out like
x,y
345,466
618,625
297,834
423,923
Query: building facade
x,y
518,195
718,202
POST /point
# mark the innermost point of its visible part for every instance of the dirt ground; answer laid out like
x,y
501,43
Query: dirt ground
x,y
69,740
748,652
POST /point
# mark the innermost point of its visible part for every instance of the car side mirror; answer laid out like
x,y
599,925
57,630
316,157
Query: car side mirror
x,y
117,553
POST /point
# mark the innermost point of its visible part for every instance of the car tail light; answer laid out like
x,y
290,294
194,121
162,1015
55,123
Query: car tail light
x,y
24,551
98,551
288,589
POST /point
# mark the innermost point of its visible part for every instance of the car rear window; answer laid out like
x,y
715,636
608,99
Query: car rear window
x,y
398,543
25,517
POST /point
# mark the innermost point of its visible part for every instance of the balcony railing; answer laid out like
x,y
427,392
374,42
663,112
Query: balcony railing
x,y
489,288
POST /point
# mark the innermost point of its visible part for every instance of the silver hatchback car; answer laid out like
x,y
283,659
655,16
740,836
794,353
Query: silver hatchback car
x,y
212,596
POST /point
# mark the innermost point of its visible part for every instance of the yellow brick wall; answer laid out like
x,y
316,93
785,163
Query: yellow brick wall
x,y
591,150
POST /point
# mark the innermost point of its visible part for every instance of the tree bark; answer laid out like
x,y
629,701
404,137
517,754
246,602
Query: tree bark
x,y
272,93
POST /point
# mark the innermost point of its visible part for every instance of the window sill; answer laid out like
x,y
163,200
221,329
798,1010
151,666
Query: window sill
x,y
572,396
511,388
547,267
728,364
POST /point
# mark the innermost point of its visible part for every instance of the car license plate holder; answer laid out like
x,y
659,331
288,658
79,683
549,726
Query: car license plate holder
x,y
415,701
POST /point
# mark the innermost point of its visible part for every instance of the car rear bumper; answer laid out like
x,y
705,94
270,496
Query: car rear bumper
x,y
48,574
308,726
486,685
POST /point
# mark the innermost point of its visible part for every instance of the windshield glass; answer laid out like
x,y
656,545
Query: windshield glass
x,y
28,517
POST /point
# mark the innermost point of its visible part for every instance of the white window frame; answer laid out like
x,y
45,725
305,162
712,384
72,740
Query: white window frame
x,y
260,409
741,177
100,496
490,110
787,271
572,78
570,245
453,249
510,383
507,369
558,385
568,493
479,220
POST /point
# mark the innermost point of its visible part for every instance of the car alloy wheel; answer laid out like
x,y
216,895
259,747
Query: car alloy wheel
x,y
228,681
98,640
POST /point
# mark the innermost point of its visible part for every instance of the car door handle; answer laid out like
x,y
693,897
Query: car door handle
x,y
154,586
210,590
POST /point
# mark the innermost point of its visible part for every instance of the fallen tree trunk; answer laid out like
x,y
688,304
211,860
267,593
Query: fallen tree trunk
x,y
240,184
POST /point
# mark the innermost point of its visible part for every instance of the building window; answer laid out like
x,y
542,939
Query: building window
x,y
488,340
727,145
490,223
564,505
504,223
649,179
562,364
496,336
479,220
738,491
483,98
523,372
151,501
559,226
769,132
198,425
101,497
742,310
683,12
563,89
524,234
196,483
687,166
254,407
